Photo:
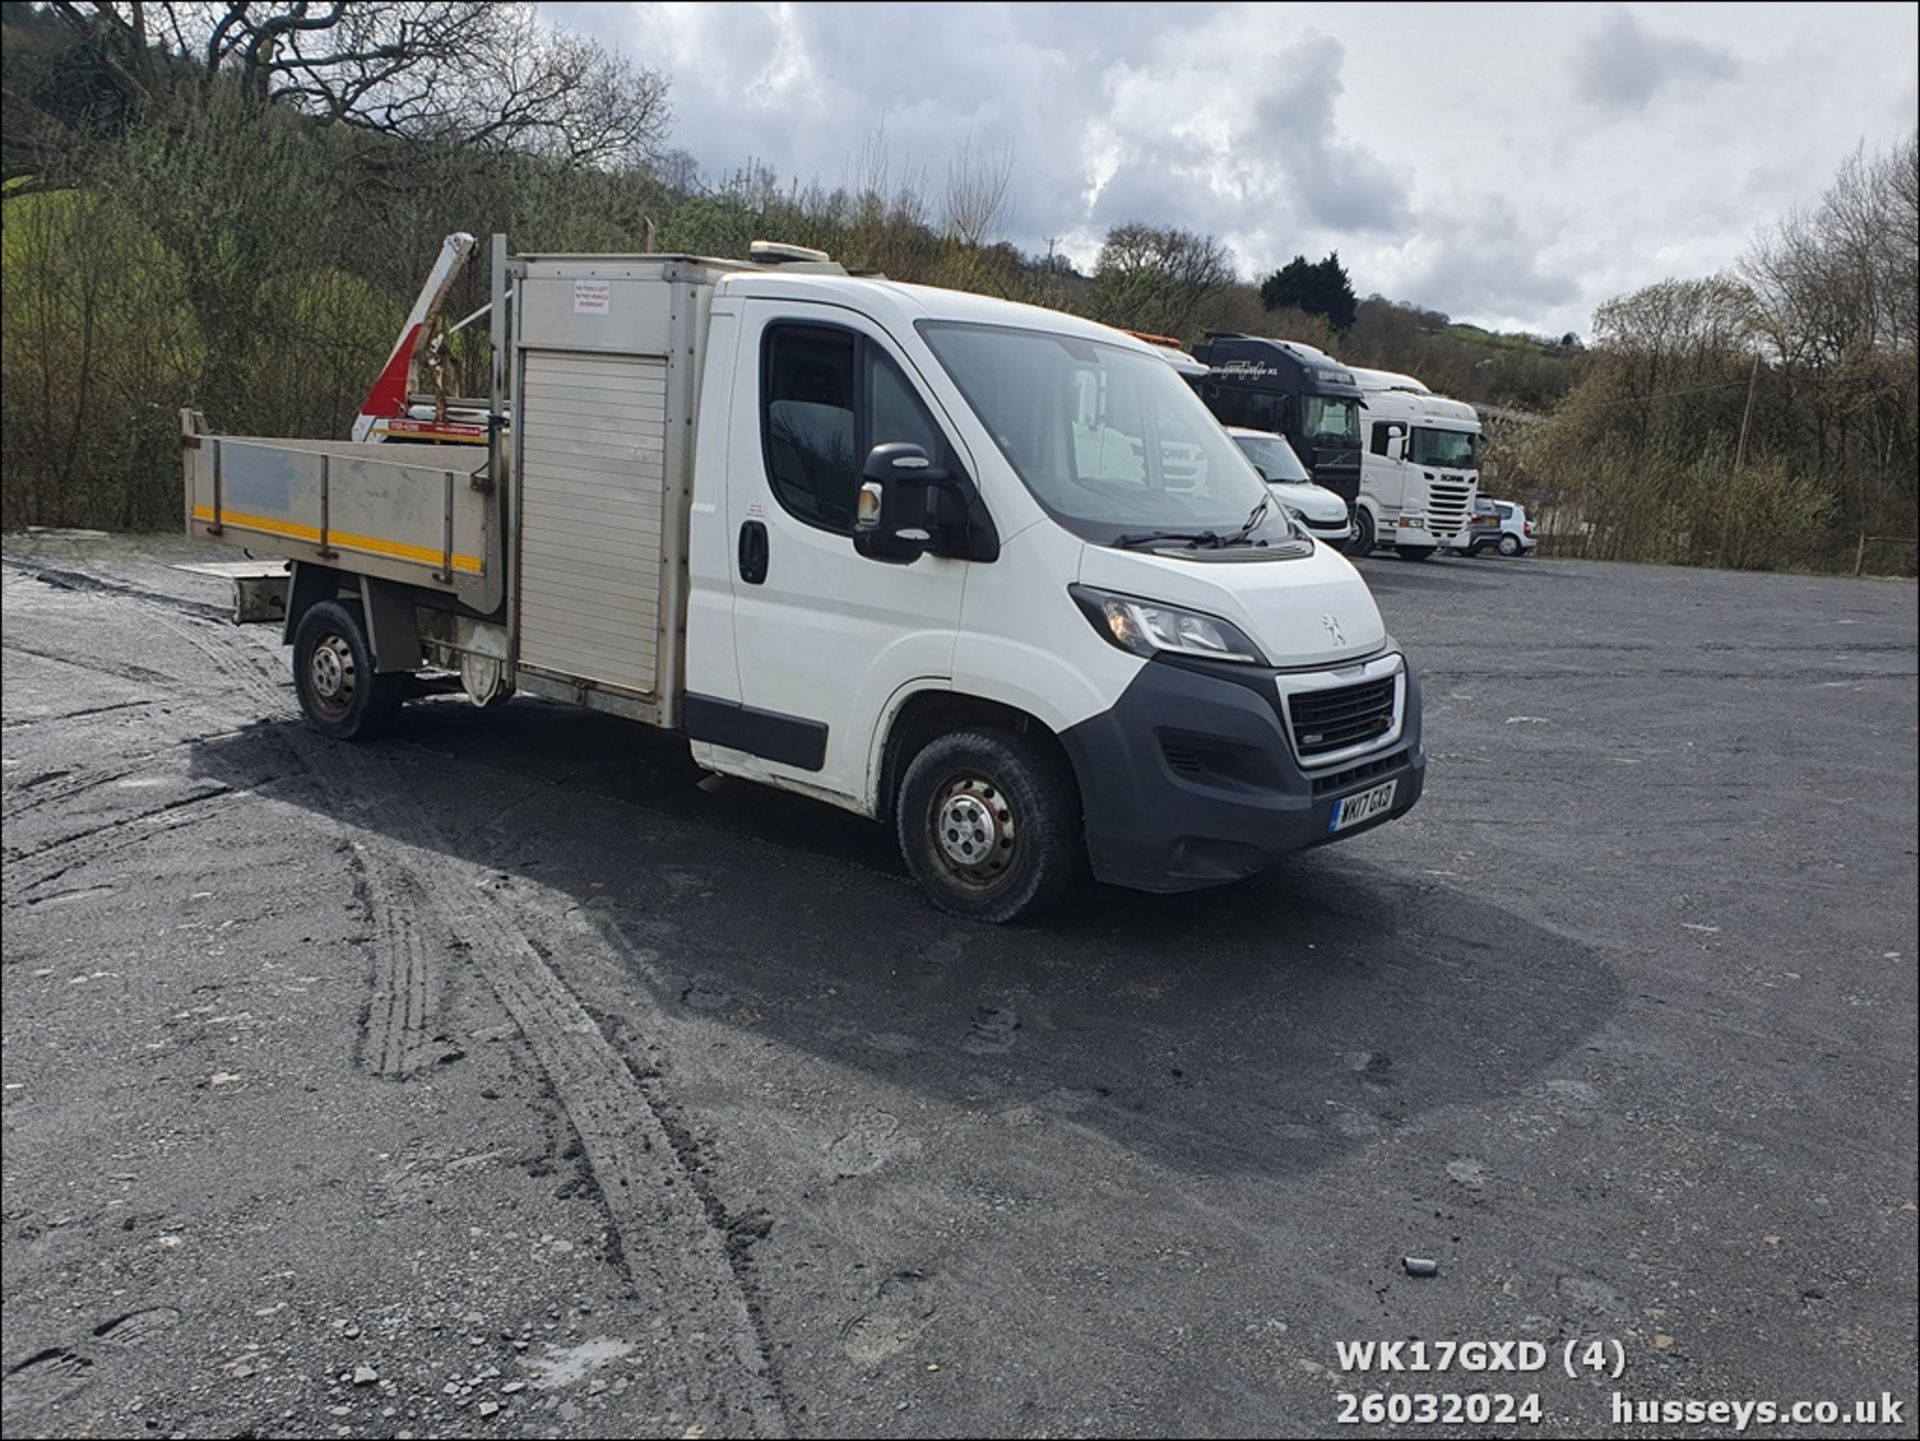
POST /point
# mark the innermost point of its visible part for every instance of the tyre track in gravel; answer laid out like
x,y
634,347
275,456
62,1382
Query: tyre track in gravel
x,y
672,1248
23,797
399,1014
30,871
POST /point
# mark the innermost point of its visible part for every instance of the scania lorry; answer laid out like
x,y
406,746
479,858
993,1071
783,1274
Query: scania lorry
x,y
1420,471
1292,390
909,551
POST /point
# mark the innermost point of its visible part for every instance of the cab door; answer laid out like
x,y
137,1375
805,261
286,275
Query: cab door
x,y
823,637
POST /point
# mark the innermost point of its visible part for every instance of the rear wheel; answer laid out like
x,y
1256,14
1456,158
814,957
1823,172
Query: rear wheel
x,y
341,693
1413,552
1509,545
1363,537
989,824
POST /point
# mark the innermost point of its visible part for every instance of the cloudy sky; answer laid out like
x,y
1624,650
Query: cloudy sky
x,y
1513,165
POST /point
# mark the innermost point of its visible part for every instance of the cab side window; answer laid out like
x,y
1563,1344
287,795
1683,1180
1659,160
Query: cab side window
x,y
1227,402
827,397
1380,433
807,424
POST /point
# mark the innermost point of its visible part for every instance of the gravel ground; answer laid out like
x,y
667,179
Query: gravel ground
x,y
495,1079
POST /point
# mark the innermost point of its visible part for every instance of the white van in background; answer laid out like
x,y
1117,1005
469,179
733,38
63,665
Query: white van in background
x,y
1419,468
1323,513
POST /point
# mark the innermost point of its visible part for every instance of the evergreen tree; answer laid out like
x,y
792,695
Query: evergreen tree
x,y
1321,288
1290,286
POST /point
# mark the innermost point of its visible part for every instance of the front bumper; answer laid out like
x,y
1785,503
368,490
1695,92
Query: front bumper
x,y
1190,779
1334,533
1420,535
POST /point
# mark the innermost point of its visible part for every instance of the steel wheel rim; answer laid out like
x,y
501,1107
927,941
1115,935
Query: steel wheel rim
x,y
974,835
331,675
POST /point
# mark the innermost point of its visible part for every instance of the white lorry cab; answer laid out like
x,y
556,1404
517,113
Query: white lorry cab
x,y
910,551
1419,470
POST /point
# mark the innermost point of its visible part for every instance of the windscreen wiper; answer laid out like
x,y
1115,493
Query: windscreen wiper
x,y
1193,538
1259,513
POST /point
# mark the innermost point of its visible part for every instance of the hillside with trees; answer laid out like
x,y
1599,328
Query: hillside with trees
x,y
1759,418
231,206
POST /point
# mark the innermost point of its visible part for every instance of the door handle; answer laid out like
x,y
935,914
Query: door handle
x,y
753,552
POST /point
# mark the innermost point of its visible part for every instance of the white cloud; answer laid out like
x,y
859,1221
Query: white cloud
x,y
1512,165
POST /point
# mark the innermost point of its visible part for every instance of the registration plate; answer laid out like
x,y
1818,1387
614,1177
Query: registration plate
x,y
1352,810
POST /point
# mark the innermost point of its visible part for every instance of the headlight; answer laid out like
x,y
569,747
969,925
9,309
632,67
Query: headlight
x,y
1148,627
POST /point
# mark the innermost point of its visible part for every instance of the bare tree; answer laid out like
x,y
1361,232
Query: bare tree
x,y
1837,299
1157,278
679,171
977,188
468,72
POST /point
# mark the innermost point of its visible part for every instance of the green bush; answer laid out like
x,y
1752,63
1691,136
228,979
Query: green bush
x,y
98,351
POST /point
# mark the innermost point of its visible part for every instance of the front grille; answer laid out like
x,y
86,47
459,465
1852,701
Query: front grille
x,y
1447,504
1341,779
1331,720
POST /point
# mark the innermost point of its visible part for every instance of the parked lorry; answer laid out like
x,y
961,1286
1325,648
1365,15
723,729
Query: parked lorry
x,y
1420,471
1293,390
870,542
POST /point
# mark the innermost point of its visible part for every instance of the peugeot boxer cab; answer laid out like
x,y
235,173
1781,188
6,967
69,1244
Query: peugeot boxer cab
x,y
1023,530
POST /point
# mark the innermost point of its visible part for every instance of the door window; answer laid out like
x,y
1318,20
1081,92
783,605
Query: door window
x,y
828,396
808,424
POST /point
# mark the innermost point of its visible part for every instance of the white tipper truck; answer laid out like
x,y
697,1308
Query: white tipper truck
x,y
859,540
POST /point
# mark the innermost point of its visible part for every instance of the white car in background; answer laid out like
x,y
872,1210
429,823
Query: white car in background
x,y
1516,531
1323,513
1500,525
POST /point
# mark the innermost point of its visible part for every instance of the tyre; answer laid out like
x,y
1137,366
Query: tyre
x,y
1363,537
1509,545
989,823
1413,552
340,693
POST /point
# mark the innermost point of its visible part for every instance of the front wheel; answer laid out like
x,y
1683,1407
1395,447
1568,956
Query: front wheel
x,y
1363,536
1413,552
989,824
341,693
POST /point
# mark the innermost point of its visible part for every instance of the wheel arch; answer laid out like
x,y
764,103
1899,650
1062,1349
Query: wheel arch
x,y
311,584
386,611
920,714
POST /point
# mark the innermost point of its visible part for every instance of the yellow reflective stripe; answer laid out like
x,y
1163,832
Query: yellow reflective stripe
x,y
344,540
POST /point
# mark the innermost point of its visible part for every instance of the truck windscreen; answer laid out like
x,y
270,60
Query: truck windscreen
x,y
1109,440
1330,422
1453,449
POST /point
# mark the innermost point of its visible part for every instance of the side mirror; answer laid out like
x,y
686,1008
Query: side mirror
x,y
897,512
1397,440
